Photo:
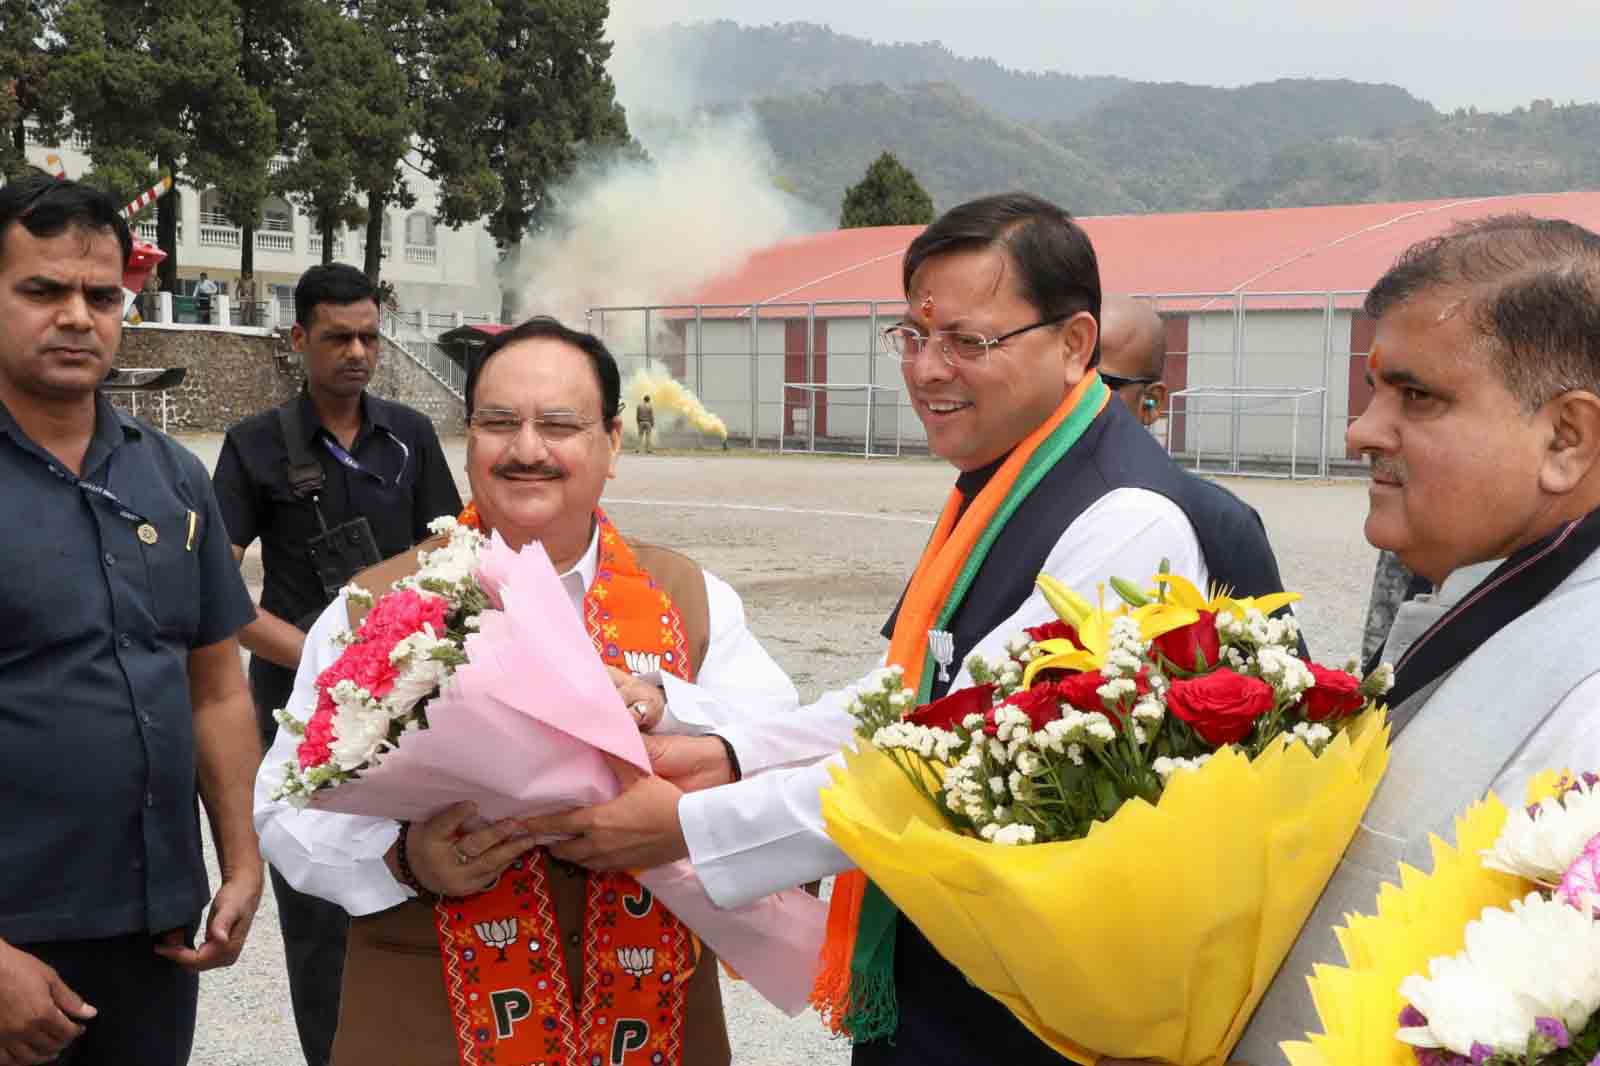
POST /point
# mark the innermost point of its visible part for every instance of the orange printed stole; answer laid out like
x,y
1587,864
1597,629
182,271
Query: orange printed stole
x,y
506,980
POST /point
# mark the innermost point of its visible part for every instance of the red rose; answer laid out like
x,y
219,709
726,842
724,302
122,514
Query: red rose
x,y
947,713
1185,648
1336,694
1056,630
1222,706
1039,703
1081,691
1078,690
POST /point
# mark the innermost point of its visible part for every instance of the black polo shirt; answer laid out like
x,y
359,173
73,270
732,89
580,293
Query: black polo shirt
x,y
97,747
403,484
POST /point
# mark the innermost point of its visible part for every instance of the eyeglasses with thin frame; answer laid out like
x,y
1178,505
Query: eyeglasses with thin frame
x,y
552,426
957,347
1116,382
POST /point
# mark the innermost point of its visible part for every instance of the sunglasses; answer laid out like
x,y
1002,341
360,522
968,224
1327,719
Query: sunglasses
x,y
1116,382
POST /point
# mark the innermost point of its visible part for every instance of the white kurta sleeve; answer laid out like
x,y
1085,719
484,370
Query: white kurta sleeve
x,y
766,833
738,679
337,857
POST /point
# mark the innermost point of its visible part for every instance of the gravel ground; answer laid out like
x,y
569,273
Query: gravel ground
x,y
819,549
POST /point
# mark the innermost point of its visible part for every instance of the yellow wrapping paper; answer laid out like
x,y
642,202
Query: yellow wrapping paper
x,y
1423,917
1157,934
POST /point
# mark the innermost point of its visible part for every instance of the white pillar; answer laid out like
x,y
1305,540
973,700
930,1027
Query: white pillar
x,y
270,319
219,311
460,319
164,308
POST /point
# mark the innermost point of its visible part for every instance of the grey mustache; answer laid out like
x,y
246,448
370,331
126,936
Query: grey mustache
x,y
521,469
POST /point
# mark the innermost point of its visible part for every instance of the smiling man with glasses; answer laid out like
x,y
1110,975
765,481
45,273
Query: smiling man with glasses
x,y
997,350
545,415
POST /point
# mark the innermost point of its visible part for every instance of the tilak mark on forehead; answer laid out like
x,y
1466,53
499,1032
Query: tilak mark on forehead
x,y
1374,360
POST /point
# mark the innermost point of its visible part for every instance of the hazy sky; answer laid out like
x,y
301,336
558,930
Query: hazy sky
x,y
1493,54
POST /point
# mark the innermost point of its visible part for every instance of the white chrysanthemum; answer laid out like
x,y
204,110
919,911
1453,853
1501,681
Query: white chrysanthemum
x,y
360,729
1099,728
997,786
1541,846
1540,959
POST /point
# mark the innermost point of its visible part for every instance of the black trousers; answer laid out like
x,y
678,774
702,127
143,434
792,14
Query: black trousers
x,y
314,930
146,1004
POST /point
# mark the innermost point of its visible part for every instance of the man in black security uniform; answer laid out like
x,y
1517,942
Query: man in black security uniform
x,y
331,482
120,688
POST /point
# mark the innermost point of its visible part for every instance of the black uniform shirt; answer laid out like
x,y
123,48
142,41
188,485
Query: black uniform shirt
x,y
100,605
403,484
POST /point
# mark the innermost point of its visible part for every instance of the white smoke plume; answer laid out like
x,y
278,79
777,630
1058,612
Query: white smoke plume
x,y
642,233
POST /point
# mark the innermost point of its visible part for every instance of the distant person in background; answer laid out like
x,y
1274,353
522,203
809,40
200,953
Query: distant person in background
x,y
646,419
1133,356
203,292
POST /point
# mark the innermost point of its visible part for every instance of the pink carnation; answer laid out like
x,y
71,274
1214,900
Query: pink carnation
x,y
400,614
314,747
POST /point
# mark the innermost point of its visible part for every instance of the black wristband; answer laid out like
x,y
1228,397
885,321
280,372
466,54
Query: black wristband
x,y
733,757
402,859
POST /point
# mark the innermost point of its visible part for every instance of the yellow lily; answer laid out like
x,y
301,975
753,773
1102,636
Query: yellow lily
x,y
1093,626
1178,603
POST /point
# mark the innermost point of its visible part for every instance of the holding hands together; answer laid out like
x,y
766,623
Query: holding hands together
x,y
447,860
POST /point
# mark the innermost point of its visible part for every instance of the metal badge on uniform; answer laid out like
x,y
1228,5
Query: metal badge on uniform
x,y
147,533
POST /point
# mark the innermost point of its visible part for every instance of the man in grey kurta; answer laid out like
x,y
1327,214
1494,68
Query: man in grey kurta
x,y
1483,438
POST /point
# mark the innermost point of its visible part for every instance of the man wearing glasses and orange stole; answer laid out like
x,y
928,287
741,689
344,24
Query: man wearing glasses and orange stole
x,y
544,407
998,349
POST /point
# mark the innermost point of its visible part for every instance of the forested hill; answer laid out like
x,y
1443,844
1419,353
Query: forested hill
x,y
830,103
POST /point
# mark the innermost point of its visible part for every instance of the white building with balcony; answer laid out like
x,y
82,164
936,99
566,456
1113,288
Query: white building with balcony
x,y
434,269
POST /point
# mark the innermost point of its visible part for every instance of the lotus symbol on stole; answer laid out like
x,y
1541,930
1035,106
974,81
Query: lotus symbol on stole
x,y
499,934
642,662
637,963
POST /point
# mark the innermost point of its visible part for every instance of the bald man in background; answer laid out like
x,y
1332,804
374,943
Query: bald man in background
x,y
1133,357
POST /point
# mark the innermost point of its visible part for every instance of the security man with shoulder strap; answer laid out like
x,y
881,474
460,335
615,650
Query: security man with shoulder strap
x,y
331,482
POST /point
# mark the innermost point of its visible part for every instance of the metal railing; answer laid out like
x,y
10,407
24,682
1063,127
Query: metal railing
x,y
1265,382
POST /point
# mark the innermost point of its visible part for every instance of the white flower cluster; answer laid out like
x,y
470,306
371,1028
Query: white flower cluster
x,y
1285,671
1125,651
452,564
1540,959
1165,767
922,740
1313,735
1002,671
1257,629
880,698
1540,843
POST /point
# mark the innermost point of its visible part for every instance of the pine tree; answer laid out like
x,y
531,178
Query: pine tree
x,y
889,195
156,85
26,92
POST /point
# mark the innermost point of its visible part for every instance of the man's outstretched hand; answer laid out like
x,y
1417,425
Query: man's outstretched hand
x,y
636,831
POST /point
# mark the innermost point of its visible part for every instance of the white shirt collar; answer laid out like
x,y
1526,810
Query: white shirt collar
x,y
577,580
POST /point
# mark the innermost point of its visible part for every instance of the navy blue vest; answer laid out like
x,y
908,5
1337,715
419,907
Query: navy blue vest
x,y
944,1020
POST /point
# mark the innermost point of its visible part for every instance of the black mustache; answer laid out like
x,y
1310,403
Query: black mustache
x,y
1390,469
525,470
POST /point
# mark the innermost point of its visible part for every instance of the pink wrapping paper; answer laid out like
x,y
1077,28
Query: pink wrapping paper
x,y
520,731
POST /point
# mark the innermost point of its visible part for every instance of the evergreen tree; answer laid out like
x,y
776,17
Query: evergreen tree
x,y
889,195
26,92
267,30
554,103
158,82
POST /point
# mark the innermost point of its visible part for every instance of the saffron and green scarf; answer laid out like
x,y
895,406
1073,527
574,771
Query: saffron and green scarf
x,y
855,984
